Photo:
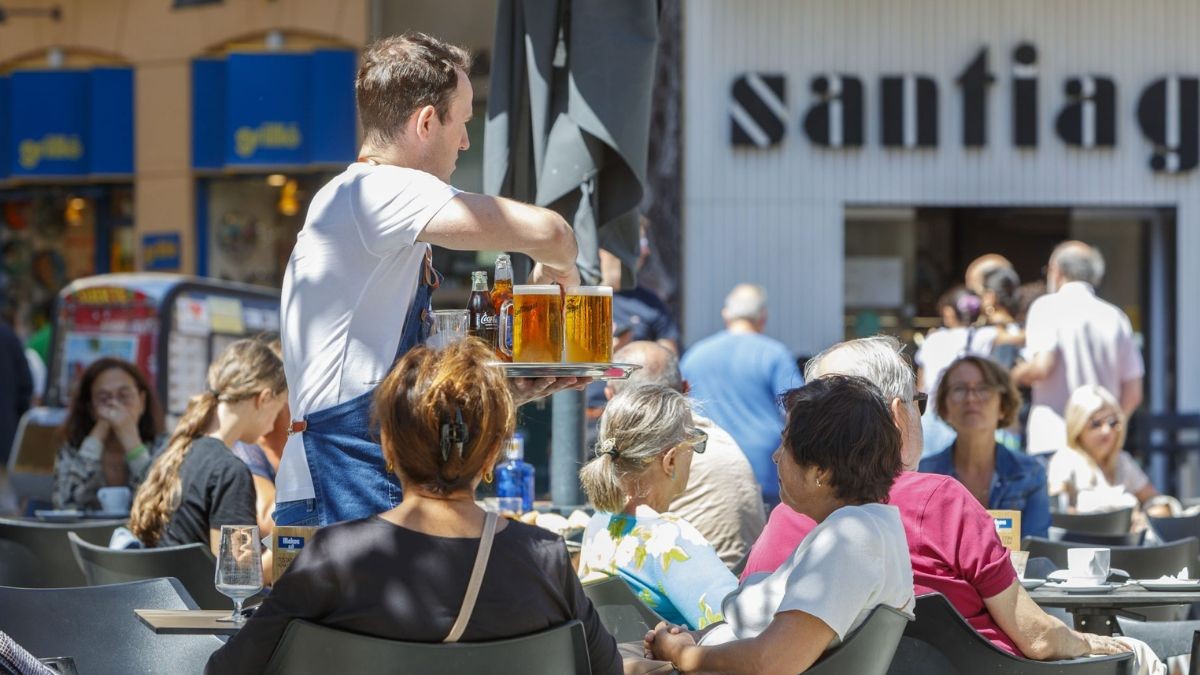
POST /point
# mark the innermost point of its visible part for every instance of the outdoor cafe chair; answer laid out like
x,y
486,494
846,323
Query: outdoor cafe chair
x,y
307,648
621,611
1093,539
1165,638
47,544
868,650
1174,529
96,627
941,642
1140,562
192,564
1104,522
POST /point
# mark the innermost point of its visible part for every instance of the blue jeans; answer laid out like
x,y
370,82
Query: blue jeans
x,y
300,513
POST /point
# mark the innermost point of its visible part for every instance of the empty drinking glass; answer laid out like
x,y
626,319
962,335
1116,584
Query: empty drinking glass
x,y
239,566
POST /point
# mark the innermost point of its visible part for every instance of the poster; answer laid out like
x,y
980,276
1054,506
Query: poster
x,y
191,315
81,349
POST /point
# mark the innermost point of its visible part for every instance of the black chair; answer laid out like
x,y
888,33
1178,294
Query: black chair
x,y
869,649
1141,562
1166,638
1104,522
941,642
1174,529
192,564
96,627
621,611
1093,539
309,648
47,543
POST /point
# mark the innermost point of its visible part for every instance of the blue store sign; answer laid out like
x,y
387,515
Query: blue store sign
x,y
273,110
66,123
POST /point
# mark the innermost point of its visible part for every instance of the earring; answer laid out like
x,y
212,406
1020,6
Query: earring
x,y
487,476
818,482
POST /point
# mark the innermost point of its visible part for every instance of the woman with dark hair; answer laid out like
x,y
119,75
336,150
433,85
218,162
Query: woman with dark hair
x,y
839,458
403,574
978,398
112,428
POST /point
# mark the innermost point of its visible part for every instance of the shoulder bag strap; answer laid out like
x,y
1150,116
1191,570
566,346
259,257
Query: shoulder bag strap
x,y
481,560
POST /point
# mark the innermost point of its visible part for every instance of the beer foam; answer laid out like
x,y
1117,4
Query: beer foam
x,y
598,291
536,289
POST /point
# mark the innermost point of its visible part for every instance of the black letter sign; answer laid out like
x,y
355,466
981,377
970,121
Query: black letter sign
x,y
837,120
974,82
909,111
1025,107
759,110
1167,113
1090,120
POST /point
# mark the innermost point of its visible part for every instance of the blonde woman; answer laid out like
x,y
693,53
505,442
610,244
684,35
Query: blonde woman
x,y
1093,465
197,484
643,459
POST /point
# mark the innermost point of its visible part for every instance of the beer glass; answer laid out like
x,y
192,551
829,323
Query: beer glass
x,y
536,324
587,323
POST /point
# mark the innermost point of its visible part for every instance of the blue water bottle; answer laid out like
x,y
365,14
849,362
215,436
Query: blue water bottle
x,y
514,478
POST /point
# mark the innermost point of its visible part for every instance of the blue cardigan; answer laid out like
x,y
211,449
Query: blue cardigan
x,y
1019,484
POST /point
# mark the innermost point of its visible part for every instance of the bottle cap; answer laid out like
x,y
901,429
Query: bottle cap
x,y
515,447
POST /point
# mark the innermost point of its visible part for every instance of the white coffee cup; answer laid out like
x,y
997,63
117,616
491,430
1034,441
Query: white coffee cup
x,y
1088,564
116,499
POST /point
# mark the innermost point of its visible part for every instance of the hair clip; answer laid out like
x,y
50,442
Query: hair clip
x,y
454,434
608,447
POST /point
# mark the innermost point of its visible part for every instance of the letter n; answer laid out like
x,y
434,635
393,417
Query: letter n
x,y
909,114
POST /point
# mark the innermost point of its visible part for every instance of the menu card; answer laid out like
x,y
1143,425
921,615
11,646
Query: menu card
x,y
286,543
1008,526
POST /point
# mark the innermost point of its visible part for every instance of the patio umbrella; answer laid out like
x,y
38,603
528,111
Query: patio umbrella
x,y
567,128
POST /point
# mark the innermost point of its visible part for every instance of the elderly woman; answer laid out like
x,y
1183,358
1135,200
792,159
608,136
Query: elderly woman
x,y
977,397
643,459
1093,470
403,574
839,458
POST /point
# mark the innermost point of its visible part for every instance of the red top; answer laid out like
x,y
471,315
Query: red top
x,y
951,538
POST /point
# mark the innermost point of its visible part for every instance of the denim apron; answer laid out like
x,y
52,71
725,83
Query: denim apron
x,y
349,475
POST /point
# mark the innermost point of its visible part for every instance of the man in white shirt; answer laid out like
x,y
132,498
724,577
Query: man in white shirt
x,y
1074,338
357,286
722,499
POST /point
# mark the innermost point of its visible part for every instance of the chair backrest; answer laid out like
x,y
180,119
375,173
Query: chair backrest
x,y
941,630
48,544
310,648
1104,522
192,564
1174,529
869,649
621,611
34,450
1141,562
1093,539
97,628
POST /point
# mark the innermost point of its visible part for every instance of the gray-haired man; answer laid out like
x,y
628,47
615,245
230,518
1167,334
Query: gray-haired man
x,y
722,500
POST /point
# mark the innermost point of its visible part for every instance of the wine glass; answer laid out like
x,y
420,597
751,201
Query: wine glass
x,y
239,566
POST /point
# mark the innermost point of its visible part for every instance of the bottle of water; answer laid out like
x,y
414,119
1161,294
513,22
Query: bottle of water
x,y
514,478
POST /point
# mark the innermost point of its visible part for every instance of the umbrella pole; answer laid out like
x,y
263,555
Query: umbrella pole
x,y
566,454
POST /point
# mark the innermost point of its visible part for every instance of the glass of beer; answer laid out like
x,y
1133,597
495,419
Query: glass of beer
x,y
536,324
588,324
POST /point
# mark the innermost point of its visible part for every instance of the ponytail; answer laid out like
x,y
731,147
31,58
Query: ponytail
x,y
602,482
159,494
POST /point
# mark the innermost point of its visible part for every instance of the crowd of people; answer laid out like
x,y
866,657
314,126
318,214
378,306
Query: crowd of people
x,y
877,479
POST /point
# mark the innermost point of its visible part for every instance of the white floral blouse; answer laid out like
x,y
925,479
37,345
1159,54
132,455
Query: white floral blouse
x,y
667,562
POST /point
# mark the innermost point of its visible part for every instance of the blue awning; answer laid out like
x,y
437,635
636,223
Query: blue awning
x,y
273,110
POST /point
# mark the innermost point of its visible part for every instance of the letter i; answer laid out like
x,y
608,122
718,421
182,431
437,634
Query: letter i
x,y
1025,104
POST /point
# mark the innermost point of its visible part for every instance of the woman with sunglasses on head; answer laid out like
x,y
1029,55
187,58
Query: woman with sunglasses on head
x,y
1093,465
976,397
404,574
112,430
643,460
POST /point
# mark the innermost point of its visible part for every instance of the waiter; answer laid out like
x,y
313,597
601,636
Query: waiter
x,y
356,293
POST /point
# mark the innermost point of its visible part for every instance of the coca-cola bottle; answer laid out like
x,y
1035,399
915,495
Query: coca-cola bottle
x,y
482,323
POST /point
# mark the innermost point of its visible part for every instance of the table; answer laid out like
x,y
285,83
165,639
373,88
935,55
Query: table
x,y
1097,612
188,621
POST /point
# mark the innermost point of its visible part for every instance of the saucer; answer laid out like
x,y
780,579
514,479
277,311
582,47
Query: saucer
x,y
1030,584
1082,586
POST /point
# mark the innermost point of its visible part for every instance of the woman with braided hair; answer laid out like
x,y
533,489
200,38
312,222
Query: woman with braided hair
x,y
197,484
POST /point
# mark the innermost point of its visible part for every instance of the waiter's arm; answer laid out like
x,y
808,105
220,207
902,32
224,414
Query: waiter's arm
x,y
475,222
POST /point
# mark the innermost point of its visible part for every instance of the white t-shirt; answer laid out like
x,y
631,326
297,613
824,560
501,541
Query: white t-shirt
x,y
852,562
346,292
1094,343
1084,476
943,347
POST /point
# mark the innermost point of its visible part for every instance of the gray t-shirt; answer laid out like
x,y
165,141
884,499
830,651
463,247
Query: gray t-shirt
x,y
215,489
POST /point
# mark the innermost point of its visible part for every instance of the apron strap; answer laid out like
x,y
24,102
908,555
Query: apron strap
x,y
481,560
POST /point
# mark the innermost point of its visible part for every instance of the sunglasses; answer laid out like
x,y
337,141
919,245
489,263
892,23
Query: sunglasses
x,y
698,440
1112,422
922,401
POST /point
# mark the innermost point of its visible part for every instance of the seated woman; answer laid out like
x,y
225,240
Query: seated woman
x,y
111,430
643,458
1093,471
840,456
197,485
402,575
977,397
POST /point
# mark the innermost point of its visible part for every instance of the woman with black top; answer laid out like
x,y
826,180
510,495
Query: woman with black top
x,y
403,575
197,484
